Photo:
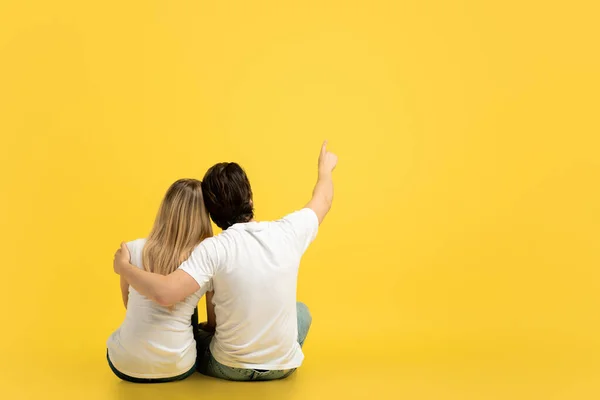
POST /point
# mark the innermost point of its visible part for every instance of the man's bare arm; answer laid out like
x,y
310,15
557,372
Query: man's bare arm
x,y
164,290
322,197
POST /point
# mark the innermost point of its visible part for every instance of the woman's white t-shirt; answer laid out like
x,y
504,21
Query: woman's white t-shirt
x,y
154,342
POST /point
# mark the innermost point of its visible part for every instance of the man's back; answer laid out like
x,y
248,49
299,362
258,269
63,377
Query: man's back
x,y
254,267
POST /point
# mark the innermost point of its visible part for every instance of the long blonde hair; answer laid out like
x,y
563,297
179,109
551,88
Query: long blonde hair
x,y
181,223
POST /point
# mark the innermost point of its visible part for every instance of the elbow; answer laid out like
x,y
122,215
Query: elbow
x,y
165,295
164,300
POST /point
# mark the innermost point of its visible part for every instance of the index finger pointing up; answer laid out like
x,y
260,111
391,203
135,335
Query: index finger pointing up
x,y
324,147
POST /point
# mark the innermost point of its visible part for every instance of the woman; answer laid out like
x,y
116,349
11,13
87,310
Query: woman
x,y
156,343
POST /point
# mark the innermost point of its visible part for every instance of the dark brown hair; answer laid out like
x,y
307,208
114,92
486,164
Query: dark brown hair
x,y
227,195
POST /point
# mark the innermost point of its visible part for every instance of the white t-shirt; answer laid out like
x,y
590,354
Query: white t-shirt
x,y
153,341
254,271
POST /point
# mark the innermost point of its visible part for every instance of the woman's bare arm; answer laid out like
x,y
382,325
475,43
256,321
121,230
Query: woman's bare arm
x,y
124,291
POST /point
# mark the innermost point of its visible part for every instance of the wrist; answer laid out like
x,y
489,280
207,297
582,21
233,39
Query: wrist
x,y
123,267
324,175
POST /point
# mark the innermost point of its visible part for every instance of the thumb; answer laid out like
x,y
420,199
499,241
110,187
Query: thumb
x,y
124,246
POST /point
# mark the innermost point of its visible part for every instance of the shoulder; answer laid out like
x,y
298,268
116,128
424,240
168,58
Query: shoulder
x,y
301,227
135,251
137,244
304,218
206,259
211,247
307,214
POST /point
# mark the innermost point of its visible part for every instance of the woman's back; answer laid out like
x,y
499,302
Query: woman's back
x,y
154,341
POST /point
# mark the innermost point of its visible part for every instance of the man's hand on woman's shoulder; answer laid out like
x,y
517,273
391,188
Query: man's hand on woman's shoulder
x,y
122,258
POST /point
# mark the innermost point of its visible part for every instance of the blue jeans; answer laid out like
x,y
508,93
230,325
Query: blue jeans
x,y
207,365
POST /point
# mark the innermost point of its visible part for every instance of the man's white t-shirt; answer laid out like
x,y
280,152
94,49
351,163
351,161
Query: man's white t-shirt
x,y
153,341
254,272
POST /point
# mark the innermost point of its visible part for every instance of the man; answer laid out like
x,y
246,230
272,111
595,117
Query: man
x,y
254,270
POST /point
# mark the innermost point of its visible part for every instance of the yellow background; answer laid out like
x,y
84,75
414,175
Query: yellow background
x,y
460,260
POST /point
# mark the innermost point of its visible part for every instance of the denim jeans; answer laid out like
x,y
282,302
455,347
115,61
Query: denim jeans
x,y
207,365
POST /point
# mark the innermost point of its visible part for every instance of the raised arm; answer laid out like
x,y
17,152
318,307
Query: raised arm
x,y
164,290
322,197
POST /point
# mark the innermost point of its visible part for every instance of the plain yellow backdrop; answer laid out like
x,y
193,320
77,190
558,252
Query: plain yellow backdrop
x,y
460,260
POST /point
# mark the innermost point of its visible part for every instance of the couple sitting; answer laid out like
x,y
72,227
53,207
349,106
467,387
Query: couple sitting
x,y
249,272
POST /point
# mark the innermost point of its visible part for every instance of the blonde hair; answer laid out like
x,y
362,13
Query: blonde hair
x,y
181,223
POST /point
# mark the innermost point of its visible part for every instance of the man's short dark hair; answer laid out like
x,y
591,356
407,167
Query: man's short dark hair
x,y
227,194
